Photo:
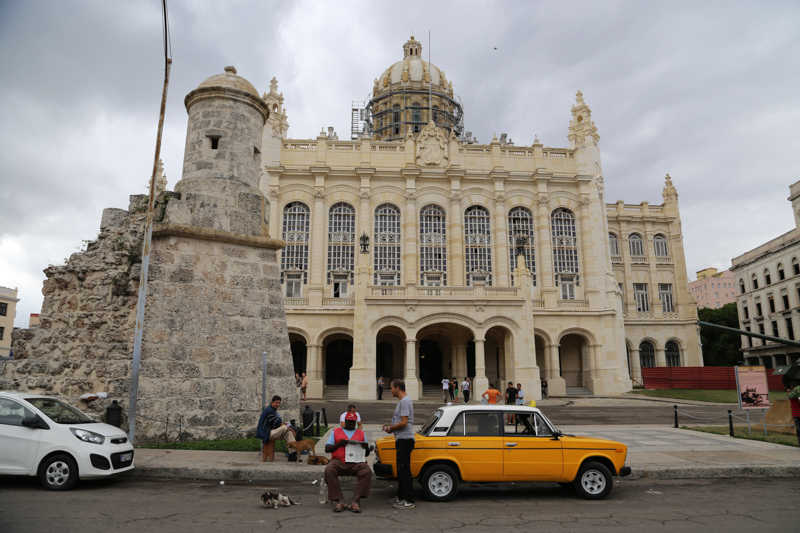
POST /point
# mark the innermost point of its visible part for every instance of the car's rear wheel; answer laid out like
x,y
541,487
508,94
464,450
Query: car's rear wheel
x,y
58,472
594,481
440,483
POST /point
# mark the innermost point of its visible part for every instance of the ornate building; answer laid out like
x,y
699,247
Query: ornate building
x,y
416,253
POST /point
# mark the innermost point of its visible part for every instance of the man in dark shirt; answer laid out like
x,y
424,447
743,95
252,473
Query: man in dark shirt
x,y
511,396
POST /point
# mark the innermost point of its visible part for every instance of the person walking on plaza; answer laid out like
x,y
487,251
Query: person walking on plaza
x,y
465,389
544,389
511,399
380,388
445,389
793,393
271,428
337,467
454,388
304,385
492,394
403,430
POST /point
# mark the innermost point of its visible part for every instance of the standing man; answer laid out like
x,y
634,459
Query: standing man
x,y
402,428
544,388
350,409
520,395
339,439
492,394
445,389
465,389
304,385
380,388
793,392
271,428
511,399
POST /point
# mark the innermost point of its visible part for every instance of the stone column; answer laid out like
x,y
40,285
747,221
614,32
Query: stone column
x,y
455,241
314,371
661,358
555,383
413,387
636,365
544,252
317,261
480,381
411,238
500,243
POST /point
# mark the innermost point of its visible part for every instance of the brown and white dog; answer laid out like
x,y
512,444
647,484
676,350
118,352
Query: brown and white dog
x,y
317,460
301,446
274,500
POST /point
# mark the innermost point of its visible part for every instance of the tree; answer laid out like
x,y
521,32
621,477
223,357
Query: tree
x,y
720,348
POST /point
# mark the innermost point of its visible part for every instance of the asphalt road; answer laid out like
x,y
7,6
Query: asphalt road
x,y
138,505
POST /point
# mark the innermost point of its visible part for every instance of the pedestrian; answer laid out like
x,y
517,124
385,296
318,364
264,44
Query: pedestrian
x,y
793,392
454,386
304,385
403,430
380,388
544,388
511,399
339,439
297,380
491,395
271,428
350,409
520,395
465,389
446,389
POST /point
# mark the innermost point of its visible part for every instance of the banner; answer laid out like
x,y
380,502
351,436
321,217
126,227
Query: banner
x,y
751,382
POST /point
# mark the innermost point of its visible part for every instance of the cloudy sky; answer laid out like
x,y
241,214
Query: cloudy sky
x,y
705,91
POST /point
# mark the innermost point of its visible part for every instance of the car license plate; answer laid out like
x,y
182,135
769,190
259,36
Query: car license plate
x,y
125,457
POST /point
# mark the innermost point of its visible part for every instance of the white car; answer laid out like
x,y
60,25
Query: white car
x,y
46,437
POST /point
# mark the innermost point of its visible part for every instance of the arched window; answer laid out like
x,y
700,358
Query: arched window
x,y
341,247
660,244
565,252
520,224
386,245
795,266
755,281
416,116
294,258
741,286
767,277
647,354
636,245
781,273
396,119
673,354
477,244
432,246
613,244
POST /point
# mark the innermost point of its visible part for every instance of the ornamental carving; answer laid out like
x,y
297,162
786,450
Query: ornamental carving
x,y
319,194
364,195
543,198
455,198
432,147
584,200
274,193
410,197
499,197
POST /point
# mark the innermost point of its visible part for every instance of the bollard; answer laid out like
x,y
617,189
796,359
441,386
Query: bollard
x,y
325,416
676,416
114,414
318,435
730,423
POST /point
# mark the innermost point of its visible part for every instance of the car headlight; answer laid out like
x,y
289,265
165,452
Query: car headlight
x,y
88,436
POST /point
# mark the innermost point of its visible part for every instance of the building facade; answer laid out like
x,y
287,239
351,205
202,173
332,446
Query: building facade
x,y
8,311
713,288
767,281
415,252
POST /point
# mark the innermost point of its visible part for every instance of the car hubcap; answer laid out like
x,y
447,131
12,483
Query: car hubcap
x,y
440,484
593,482
57,473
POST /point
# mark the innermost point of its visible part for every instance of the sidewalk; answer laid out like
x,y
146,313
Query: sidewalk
x,y
654,452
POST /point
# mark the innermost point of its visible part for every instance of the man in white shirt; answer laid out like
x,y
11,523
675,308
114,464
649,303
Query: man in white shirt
x,y
350,409
446,389
465,388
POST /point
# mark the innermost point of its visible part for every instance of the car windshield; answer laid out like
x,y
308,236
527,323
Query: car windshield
x,y
430,423
60,412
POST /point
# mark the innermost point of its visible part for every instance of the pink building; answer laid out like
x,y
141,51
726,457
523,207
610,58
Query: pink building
x,y
713,289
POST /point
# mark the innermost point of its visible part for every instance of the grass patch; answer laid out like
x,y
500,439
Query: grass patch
x,y
226,445
713,396
740,432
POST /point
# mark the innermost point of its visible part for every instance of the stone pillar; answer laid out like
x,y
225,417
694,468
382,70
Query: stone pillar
x,y
314,371
636,366
545,280
661,358
455,248
481,383
411,239
413,386
500,243
317,261
555,384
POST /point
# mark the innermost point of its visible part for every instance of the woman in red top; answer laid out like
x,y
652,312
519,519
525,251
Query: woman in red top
x,y
793,392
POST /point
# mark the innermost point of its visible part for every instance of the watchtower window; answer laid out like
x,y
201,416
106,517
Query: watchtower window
x,y
214,141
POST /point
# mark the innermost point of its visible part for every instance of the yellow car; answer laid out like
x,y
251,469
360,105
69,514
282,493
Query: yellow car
x,y
476,443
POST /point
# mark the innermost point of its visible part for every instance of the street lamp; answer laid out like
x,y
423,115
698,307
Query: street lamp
x,y
364,240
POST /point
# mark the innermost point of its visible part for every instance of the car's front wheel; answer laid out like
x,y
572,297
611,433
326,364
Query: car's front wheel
x,y
594,481
58,472
440,483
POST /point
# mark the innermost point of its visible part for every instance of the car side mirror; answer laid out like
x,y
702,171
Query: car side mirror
x,y
34,422
556,435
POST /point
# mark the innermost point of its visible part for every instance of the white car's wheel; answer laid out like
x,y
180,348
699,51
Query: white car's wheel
x,y
440,483
58,472
594,481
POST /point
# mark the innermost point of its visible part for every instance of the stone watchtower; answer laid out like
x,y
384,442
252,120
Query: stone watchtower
x,y
214,303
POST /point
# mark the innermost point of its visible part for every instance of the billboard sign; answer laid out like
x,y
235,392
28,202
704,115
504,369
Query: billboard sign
x,y
751,382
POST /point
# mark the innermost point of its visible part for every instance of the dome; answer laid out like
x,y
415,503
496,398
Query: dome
x,y
230,79
415,67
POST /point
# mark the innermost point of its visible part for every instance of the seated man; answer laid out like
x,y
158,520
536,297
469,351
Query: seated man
x,y
351,409
337,466
271,428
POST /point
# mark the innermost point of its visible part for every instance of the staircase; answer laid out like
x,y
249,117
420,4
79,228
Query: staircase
x,y
578,391
336,392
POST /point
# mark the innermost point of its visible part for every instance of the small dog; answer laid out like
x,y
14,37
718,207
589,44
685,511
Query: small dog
x,y
301,446
318,460
271,499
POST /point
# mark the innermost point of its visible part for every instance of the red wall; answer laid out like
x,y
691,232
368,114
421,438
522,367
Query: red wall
x,y
698,377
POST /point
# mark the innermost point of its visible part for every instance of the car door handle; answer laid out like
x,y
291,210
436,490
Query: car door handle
x,y
511,444
454,444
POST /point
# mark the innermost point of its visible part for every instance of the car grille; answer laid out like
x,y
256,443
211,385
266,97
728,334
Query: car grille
x,y
119,440
115,460
99,462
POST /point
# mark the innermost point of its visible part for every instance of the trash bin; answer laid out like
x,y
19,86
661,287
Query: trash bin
x,y
114,414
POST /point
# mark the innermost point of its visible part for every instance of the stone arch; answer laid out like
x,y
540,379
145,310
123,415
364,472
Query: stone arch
x,y
574,356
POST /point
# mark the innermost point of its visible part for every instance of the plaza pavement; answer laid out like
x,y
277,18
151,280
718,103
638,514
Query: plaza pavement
x,y
654,452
